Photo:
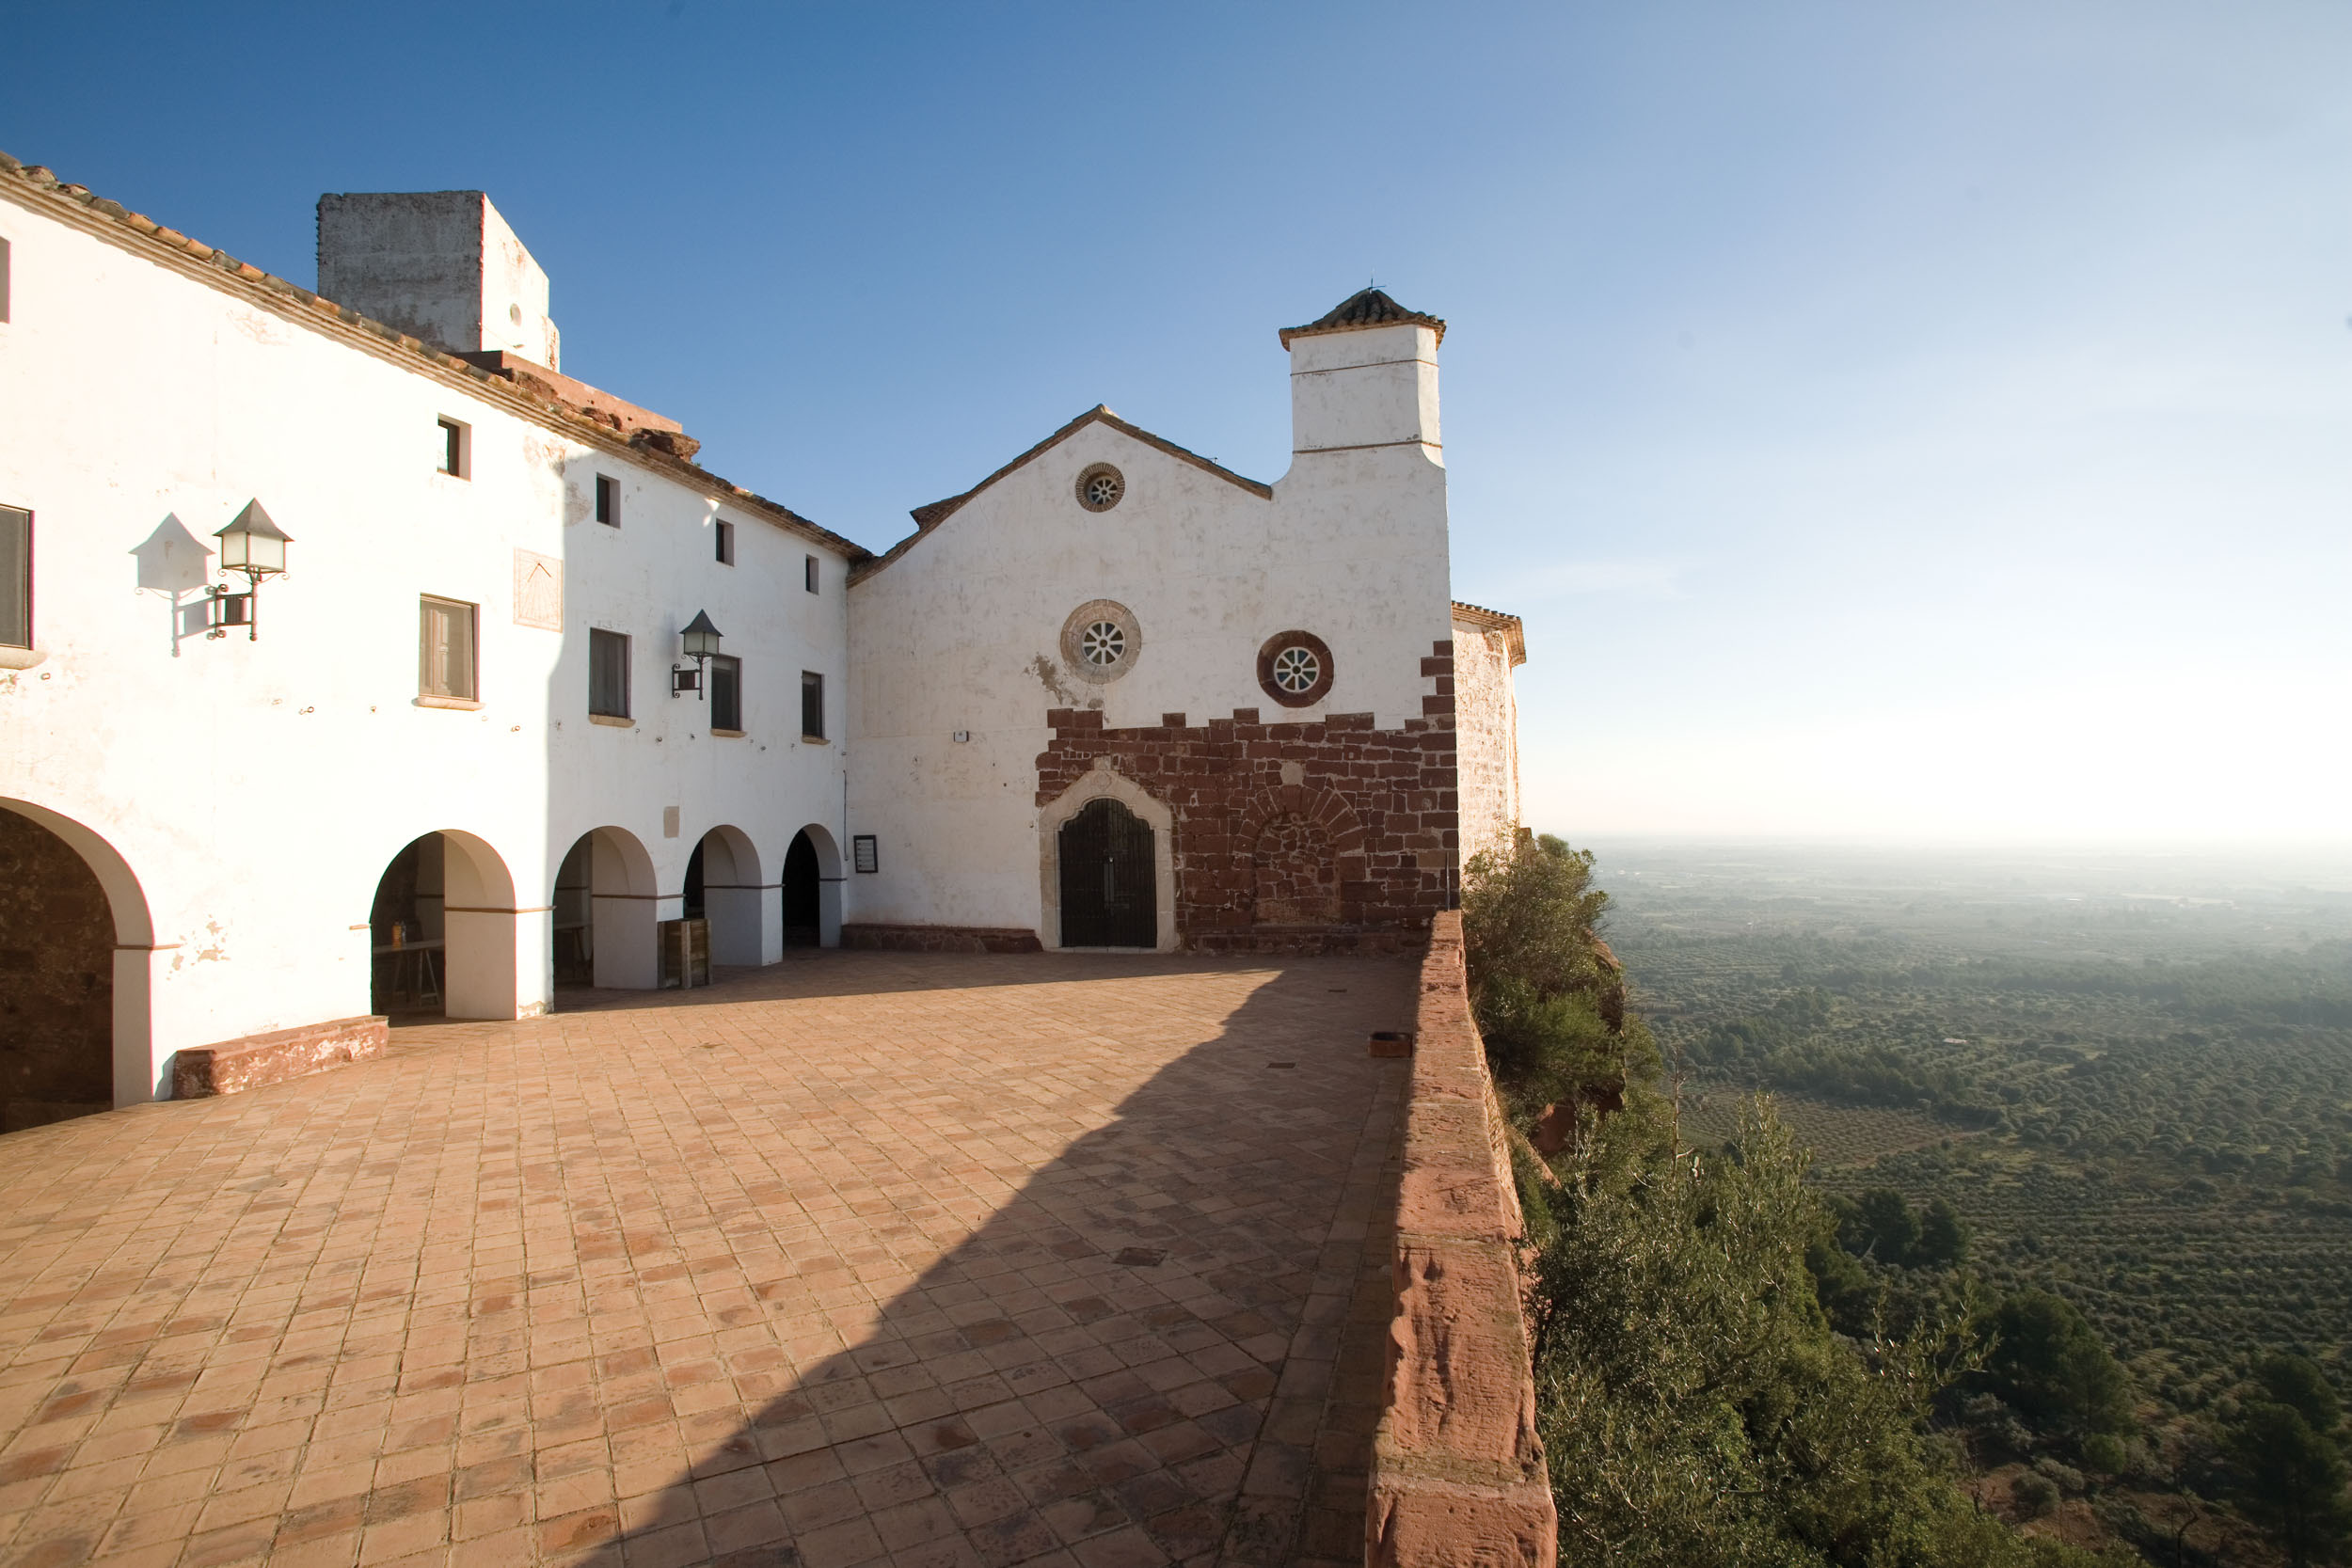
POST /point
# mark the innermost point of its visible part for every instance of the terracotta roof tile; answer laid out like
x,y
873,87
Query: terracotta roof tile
x,y
1365,307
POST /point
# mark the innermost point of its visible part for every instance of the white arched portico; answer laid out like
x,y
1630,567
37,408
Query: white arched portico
x,y
1100,782
624,906
812,885
738,904
456,890
138,1077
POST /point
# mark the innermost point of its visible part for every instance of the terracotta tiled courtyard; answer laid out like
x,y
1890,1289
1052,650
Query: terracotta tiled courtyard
x,y
864,1257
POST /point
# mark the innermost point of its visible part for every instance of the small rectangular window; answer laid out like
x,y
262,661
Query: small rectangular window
x,y
608,673
808,573
445,649
726,692
16,578
454,454
726,544
3,279
812,705
608,500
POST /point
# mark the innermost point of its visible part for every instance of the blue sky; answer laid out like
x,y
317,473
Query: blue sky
x,y
1915,421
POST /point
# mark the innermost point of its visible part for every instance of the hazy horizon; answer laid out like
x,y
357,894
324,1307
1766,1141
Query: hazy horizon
x,y
1909,423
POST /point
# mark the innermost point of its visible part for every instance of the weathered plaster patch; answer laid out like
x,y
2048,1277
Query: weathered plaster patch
x,y
1050,677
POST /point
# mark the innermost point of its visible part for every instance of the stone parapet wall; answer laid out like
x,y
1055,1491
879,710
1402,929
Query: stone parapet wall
x,y
1324,836
1457,1472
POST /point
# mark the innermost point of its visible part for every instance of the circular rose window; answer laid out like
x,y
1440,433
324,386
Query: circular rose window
x,y
1100,642
1101,488
1294,668
1103,643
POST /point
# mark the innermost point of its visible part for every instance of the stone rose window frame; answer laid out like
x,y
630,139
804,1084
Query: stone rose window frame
x,y
1271,666
1101,486
1094,628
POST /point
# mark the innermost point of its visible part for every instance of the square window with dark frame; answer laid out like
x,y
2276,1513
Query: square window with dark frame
x,y
454,449
812,705
808,573
608,500
16,578
445,649
608,673
726,543
726,692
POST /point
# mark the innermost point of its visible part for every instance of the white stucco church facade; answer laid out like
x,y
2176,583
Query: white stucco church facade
x,y
536,700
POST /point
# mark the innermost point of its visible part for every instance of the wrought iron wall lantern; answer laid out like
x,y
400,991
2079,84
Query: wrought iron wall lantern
x,y
255,546
700,641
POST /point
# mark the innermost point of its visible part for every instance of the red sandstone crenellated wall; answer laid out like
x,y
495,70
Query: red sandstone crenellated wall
x,y
1457,1472
1329,836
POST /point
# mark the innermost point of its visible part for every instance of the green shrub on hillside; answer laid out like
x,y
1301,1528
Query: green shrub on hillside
x,y
1695,1404
1549,1005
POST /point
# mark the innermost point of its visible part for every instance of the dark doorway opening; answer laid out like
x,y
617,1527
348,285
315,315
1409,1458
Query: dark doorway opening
x,y
410,933
802,923
56,980
576,917
693,905
1109,886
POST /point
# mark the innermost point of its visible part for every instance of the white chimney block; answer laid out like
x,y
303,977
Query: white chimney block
x,y
442,266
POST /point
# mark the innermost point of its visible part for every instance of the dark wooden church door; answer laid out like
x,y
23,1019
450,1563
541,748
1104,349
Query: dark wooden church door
x,y
1110,889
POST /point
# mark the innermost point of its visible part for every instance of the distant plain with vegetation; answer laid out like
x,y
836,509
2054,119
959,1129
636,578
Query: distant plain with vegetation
x,y
2063,1142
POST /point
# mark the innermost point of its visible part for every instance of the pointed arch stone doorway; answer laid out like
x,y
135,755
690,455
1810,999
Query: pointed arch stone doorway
x,y
1107,864
1109,896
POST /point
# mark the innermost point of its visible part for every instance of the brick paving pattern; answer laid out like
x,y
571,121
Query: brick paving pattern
x,y
848,1261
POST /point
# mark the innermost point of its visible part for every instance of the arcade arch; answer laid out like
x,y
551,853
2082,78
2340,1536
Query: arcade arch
x,y
77,945
812,890
723,886
605,906
443,930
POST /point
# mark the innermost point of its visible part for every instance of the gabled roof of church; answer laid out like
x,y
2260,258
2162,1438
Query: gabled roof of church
x,y
930,517
1365,307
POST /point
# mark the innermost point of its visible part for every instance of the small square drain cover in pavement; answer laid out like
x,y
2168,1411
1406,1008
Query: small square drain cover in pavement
x,y
1282,1064
1141,1257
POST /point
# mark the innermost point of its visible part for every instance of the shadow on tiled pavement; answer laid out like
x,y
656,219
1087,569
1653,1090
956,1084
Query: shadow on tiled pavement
x,y
1139,1359
819,1266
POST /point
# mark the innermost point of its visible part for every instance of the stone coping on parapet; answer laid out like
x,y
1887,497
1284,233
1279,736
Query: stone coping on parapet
x,y
662,450
1457,1471
1514,630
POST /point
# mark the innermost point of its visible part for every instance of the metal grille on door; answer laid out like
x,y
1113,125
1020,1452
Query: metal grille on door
x,y
1110,888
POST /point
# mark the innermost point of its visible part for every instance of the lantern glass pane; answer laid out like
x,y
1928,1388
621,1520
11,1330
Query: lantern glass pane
x,y
266,553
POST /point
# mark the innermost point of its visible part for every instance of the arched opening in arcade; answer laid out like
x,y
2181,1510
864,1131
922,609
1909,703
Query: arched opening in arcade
x,y
442,931
58,935
604,909
723,888
812,890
